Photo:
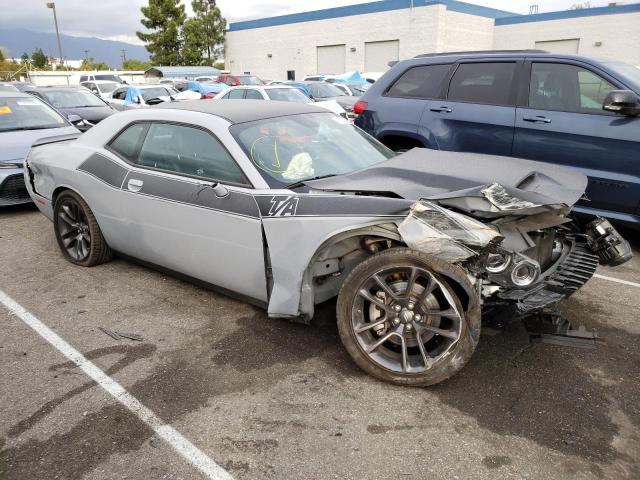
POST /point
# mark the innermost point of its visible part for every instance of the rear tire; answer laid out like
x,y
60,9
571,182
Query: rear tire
x,y
77,231
401,318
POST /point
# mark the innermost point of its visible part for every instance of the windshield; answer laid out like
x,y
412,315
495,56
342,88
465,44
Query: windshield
x,y
107,87
250,81
20,113
156,92
325,90
112,78
629,72
73,99
288,95
298,147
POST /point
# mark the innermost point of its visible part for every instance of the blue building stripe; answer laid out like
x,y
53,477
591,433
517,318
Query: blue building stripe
x,y
583,12
364,8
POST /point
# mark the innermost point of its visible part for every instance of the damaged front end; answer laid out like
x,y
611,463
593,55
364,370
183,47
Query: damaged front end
x,y
523,257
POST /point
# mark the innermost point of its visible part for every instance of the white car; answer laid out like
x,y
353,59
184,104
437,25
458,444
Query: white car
x,y
145,95
102,88
281,93
206,78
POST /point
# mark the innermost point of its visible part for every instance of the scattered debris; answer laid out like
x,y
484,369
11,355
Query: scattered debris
x,y
552,328
121,335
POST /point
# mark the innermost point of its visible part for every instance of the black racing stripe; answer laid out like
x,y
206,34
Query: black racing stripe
x,y
330,205
194,194
104,169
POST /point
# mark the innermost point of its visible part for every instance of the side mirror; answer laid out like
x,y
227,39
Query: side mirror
x,y
73,118
624,102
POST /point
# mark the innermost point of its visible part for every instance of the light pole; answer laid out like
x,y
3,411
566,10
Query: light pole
x,y
52,6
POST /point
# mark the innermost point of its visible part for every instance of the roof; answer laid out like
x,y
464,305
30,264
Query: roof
x,y
241,111
99,82
182,71
501,17
371,7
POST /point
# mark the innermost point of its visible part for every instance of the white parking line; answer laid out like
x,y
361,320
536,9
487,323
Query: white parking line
x,y
183,446
617,280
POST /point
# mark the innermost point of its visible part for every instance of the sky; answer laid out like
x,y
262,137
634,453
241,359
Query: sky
x,y
119,19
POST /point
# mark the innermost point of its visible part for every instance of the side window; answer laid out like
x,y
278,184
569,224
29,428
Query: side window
x,y
488,83
128,142
568,88
229,80
253,95
189,151
420,82
83,78
119,94
236,94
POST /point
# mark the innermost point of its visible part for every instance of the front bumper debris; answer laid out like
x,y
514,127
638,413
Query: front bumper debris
x,y
572,270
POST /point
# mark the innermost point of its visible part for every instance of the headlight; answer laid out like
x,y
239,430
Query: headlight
x,y
524,274
10,165
497,262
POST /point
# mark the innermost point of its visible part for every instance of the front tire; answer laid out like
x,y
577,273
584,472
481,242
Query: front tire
x,y
77,231
401,318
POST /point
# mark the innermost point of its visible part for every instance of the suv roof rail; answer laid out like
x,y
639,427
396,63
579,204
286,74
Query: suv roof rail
x,y
480,52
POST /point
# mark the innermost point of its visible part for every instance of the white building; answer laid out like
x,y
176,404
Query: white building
x,y
367,36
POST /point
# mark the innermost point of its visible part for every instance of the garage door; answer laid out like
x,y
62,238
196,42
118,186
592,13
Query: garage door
x,y
377,55
569,46
331,59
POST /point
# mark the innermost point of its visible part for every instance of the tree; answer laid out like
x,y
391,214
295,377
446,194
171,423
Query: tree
x,y
90,64
39,59
2,57
164,20
193,42
134,64
25,58
214,26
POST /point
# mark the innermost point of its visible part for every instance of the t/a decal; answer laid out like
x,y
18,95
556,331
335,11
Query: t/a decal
x,y
283,206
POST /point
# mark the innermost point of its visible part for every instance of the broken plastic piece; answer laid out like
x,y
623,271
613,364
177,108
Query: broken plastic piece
x,y
432,229
120,335
502,200
552,328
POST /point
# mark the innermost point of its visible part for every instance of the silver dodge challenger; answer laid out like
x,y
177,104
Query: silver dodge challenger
x,y
287,206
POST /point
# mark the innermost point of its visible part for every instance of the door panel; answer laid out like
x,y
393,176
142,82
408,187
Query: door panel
x,y
479,113
181,225
605,148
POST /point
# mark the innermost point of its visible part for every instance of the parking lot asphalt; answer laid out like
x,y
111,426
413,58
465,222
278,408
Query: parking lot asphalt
x,y
266,398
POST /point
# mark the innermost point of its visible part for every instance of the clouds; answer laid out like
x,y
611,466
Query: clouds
x,y
119,19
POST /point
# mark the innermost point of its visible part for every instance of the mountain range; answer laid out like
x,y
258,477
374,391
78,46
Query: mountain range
x,y
19,40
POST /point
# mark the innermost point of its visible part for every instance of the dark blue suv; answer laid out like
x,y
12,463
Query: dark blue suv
x,y
569,110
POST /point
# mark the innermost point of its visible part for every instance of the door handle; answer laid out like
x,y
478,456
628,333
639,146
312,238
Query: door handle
x,y
537,119
134,185
441,109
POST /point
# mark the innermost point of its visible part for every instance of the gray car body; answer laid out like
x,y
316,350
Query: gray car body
x,y
15,145
262,243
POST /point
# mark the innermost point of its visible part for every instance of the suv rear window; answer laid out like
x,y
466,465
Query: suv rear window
x,y
420,82
488,83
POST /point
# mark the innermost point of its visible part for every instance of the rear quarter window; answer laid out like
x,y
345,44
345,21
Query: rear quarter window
x,y
128,143
420,82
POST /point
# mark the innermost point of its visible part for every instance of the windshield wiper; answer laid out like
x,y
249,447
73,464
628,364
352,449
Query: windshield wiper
x,y
44,127
301,183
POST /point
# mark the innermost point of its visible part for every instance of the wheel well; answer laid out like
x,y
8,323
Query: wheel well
x,y
56,193
401,142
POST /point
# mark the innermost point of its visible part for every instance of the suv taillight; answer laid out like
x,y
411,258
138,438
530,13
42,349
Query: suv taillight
x,y
360,107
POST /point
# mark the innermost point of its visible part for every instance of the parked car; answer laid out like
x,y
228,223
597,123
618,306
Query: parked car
x,y
102,76
74,102
236,80
281,93
143,95
288,206
7,87
565,109
102,88
206,90
206,79
23,86
353,89
23,121
323,92
315,78
372,77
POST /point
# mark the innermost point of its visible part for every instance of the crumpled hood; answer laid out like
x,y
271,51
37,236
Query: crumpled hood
x,y
14,146
482,185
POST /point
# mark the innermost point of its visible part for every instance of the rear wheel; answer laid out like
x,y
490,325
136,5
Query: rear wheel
x,y
402,320
77,231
